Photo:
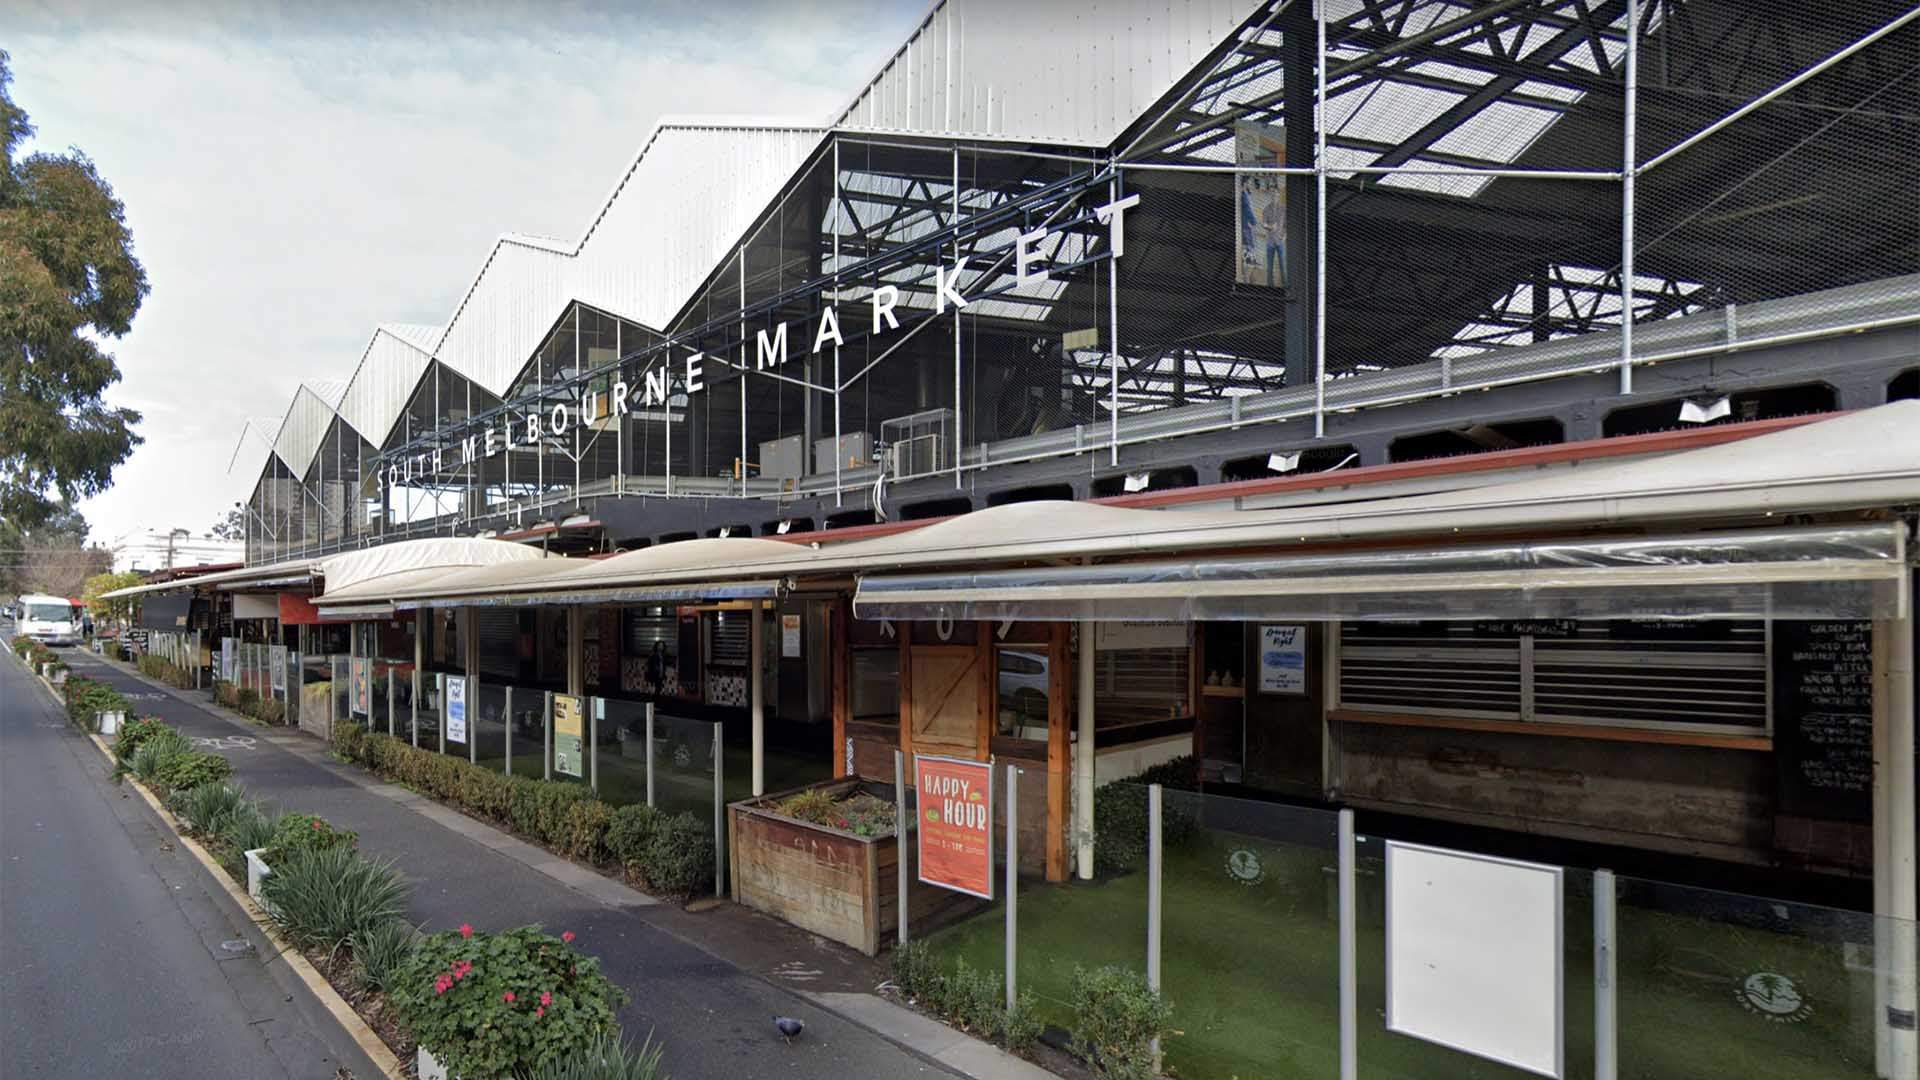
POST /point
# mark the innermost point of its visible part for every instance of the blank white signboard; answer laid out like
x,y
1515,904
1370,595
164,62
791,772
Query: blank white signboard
x,y
1474,955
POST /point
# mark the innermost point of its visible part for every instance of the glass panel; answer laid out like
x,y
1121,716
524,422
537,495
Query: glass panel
x,y
1261,998
1022,677
1714,983
487,708
623,750
528,731
876,684
683,765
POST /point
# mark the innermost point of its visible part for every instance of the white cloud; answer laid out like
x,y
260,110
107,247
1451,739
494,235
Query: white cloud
x,y
292,179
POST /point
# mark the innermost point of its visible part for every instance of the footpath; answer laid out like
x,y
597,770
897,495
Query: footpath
x,y
705,983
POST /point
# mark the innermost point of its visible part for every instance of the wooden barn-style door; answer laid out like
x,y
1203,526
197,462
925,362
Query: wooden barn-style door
x,y
945,680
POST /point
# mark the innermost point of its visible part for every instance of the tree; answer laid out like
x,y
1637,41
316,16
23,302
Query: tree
x,y
231,527
51,557
119,609
68,280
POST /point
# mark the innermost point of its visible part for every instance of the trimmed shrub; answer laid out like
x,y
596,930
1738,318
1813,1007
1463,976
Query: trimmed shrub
x,y
630,831
379,951
1120,815
540,808
503,1004
679,857
484,792
606,1058
916,971
349,737
294,834
188,770
321,898
1116,1020
272,712
584,835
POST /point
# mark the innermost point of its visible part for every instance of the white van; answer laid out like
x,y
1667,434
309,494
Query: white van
x,y
50,620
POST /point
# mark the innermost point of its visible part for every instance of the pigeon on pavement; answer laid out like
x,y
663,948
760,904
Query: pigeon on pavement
x,y
789,1027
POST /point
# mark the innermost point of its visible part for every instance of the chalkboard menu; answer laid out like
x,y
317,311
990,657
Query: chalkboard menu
x,y
1823,718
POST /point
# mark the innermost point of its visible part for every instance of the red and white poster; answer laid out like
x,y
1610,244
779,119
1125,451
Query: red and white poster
x,y
956,824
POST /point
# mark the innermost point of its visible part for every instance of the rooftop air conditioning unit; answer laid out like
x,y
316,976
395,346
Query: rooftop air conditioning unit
x,y
919,444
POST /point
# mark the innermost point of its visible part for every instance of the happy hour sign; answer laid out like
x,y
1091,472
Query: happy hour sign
x,y
956,824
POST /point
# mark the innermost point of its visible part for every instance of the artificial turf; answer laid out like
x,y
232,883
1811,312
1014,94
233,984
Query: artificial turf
x,y
1251,970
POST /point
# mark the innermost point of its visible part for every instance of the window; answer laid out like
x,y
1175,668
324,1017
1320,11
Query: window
x,y
50,613
876,684
1140,685
1022,677
1688,675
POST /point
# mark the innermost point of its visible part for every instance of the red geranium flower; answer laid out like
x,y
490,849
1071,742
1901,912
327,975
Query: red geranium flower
x,y
507,997
546,998
466,930
540,1012
316,824
566,936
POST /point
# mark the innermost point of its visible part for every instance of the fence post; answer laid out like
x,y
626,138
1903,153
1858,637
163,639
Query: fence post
x,y
546,741
719,817
1154,866
508,767
1606,1062
1013,879
443,712
595,707
390,724
1349,968
649,744
900,821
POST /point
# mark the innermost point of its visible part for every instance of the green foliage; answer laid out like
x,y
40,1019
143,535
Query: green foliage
x,y
1020,1026
188,770
379,952
209,807
320,898
679,858
630,831
348,738
503,1004
247,700
484,792
857,812
68,282
247,827
86,697
606,1058
916,971
154,752
585,833
971,999
541,808
133,734
120,608
1120,816
294,834
1116,1020
166,671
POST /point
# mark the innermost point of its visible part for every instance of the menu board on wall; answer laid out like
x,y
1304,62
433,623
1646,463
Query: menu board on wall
x,y
1823,718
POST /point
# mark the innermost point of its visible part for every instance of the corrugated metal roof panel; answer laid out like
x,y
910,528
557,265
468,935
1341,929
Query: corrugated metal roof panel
x,y
303,429
395,358
1047,72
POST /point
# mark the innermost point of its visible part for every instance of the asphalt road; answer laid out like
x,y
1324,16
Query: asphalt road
x,y
114,944
714,1019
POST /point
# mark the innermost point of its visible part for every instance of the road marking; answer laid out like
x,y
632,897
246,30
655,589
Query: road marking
x,y
226,742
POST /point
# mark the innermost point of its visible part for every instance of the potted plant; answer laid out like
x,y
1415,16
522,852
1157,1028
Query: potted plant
x,y
486,1006
291,833
825,858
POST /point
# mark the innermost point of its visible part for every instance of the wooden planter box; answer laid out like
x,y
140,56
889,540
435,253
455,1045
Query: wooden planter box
x,y
824,880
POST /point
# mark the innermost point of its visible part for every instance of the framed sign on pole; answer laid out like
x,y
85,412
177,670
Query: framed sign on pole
x,y
456,708
568,735
955,830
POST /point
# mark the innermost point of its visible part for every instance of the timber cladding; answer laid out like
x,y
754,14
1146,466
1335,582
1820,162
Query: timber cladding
x,y
840,886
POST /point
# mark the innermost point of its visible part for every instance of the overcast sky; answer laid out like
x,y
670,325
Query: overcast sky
x,y
295,175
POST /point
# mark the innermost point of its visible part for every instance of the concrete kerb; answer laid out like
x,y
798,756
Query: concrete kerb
x,y
363,1036
911,1031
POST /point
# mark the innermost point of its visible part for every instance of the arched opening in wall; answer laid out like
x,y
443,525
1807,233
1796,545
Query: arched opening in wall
x,y
674,538
1710,408
1184,476
935,508
847,519
1314,460
785,526
1477,439
734,530
1905,386
1037,493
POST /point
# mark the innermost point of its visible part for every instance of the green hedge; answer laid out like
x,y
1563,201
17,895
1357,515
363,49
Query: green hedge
x,y
671,855
86,697
1120,815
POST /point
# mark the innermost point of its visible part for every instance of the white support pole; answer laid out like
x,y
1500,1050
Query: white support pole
x,y
719,814
390,724
1155,865
1627,172
649,746
595,706
959,443
1320,220
507,712
1083,757
1349,964
1013,882
901,819
420,622
444,695
546,738
756,678
1606,1052
1895,949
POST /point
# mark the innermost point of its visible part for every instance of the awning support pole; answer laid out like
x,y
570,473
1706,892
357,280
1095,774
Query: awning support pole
x,y
1083,758
1349,953
756,662
420,624
1893,827
1606,1054
901,818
